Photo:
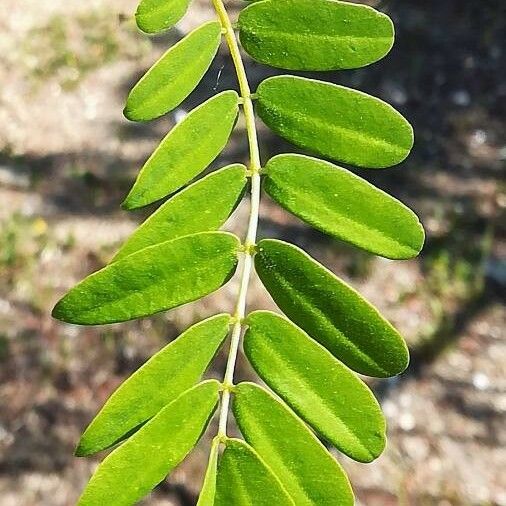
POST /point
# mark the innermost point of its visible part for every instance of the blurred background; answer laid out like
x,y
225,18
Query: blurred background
x,y
67,158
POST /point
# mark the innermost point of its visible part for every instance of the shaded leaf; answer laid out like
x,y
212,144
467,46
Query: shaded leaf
x,y
330,311
154,279
143,461
343,205
165,376
245,480
315,34
281,438
330,397
154,16
186,151
204,205
337,122
174,76
208,491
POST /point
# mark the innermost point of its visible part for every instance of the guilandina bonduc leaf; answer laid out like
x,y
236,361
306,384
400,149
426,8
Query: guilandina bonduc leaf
x,y
308,358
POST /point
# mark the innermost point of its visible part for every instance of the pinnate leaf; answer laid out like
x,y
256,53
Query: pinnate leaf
x,y
281,438
164,377
143,461
337,122
174,76
186,151
324,392
204,205
343,205
315,34
330,311
208,491
245,480
153,279
154,16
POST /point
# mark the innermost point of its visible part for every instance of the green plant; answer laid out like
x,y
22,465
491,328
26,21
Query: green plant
x,y
177,256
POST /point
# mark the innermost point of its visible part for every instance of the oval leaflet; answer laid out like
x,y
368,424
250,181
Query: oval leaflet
x,y
324,392
153,279
243,478
186,150
315,34
174,76
336,122
280,438
330,311
343,205
200,207
154,16
126,475
166,375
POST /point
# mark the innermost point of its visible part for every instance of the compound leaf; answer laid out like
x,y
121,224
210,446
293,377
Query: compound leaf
x,y
154,16
330,397
174,76
343,205
208,491
153,279
204,205
143,461
244,479
281,438
337,122
186,151
315,34
330,311
164,377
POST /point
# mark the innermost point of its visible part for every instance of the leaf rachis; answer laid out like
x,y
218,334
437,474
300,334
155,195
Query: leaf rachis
x,y
249,243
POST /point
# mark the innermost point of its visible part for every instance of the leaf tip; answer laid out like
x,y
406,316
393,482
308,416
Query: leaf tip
x,y
58,312
81,450
127,204
132,114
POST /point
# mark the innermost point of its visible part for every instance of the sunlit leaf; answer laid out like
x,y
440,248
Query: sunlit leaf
x,y
153,279
208,492
165,376
245,480
315,34
330,397
281,438
343,205
337,122
204,205
143,461
153,16
174,76
186,151
330,311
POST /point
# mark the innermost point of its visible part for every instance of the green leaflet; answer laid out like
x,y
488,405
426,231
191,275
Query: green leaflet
x,y
154,279
315,34
245,480
154,16
143,461
336,122
174,76
330,311
204,205
343,205
208,492
164,377
331,398
304,466
186,151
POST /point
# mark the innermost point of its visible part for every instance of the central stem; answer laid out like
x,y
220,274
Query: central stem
x,y
250,240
